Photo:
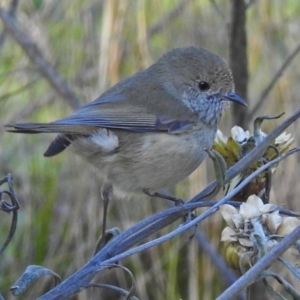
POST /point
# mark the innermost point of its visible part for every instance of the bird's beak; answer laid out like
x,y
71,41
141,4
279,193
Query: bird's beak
x,y
231,96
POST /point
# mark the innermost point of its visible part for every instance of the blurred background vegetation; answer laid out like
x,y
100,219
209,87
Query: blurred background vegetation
x,y
93,44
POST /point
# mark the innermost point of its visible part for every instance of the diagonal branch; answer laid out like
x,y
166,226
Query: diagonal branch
x,y
168,18
270,86
227,274
11,11
37,58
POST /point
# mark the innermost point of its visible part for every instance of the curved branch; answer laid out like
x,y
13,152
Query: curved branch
x,y
7,207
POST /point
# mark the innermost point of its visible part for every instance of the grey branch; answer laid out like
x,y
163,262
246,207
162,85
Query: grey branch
x,y
166,19
238,57
11,11
270,86
37,58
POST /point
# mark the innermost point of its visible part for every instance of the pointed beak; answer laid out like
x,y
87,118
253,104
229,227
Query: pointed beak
x,y
231,96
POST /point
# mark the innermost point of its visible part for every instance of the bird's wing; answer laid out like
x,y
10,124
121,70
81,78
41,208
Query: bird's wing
x,y
112,112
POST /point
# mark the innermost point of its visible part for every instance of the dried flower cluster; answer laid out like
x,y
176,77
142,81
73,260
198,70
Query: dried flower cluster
x,y
238,145
241,142
253,221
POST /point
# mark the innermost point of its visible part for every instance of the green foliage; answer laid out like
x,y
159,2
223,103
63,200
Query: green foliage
x,y
37,4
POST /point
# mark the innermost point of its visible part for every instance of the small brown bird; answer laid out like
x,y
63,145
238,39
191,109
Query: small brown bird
x,y
148,131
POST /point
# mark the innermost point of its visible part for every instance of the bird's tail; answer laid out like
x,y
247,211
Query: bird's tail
x,y
66,133
32,128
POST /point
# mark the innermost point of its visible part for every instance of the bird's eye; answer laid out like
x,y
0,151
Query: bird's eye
x,y
203,86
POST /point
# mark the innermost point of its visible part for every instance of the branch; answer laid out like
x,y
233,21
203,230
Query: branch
x,y
238,59
7,207
227,273
19,90
167,18
270,86
219,10
11,11
36,57
113,251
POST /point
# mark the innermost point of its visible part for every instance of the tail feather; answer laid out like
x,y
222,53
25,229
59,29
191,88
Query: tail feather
x,y
32,128
61,142
67,133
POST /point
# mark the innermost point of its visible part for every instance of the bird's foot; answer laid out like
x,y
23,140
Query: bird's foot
x,y
177,201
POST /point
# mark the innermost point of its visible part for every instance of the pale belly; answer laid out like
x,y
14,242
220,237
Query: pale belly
x,y
145,161
160,161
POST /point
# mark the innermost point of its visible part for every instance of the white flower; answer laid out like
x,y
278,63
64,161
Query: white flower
x,y
284,138
227,212
287,225
256,202
239,135
228,235
239,220
221,138
272,221
248,211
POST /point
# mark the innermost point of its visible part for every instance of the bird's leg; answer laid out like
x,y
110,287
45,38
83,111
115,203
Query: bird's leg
x,y
152,193
177,201
106,194
220,170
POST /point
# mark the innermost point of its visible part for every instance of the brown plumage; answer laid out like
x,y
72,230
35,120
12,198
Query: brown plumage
x,y
149,130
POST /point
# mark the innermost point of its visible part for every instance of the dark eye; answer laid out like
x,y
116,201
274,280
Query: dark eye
x,y
203,86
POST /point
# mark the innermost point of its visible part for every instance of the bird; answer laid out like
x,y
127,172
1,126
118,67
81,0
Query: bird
x,y
150,130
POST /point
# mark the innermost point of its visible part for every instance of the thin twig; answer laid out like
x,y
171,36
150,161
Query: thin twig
x,y
167,18
19,90
24,69
128,294
272,83
11,11
250,3
227,274
114,288
220,12
37,58
29,109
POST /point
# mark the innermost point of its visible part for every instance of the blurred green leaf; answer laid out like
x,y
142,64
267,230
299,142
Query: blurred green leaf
x,y
37,4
